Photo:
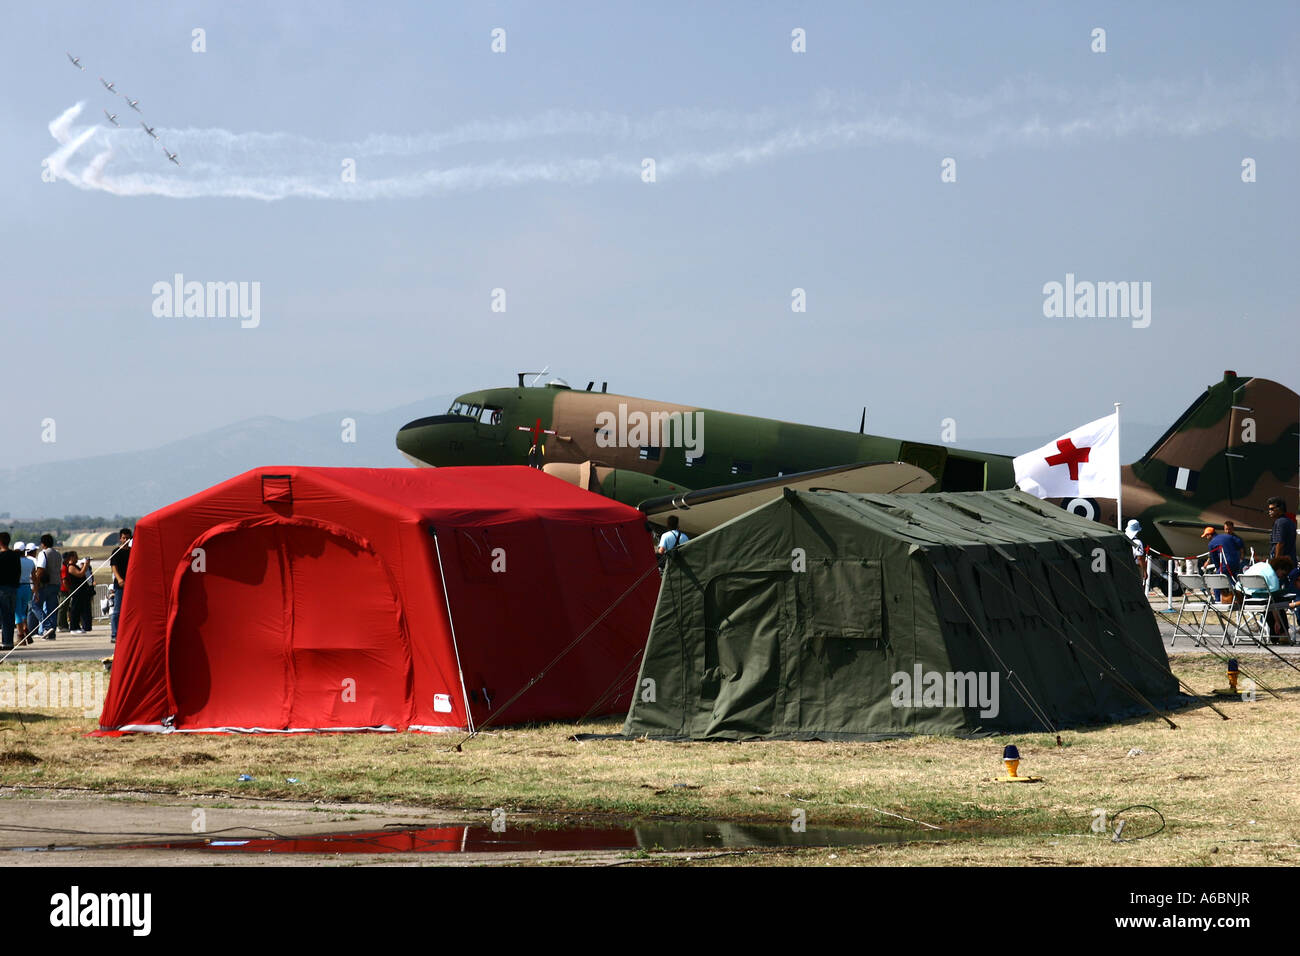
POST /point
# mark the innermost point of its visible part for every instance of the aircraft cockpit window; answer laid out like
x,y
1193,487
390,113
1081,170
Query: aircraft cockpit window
x,y
459,408
490,415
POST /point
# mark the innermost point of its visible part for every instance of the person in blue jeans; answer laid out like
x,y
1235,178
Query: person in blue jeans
x,y
22,612
1290,600
49,565
121,557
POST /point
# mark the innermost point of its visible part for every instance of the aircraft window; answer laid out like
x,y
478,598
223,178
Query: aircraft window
x,y
649,454
696,462
490,416
739,467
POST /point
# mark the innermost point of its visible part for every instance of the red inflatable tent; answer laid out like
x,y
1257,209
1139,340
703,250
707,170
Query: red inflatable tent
x,y
297,599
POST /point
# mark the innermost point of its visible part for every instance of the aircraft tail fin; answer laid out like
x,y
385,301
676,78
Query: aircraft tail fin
x,y
1235,447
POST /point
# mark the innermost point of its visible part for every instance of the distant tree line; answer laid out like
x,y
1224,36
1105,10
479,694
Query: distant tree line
x,y
28,529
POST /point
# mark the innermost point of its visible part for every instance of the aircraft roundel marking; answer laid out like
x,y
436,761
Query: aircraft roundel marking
x,y
1083,507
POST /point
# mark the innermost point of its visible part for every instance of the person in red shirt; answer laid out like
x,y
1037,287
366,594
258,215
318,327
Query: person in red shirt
x,y
64,590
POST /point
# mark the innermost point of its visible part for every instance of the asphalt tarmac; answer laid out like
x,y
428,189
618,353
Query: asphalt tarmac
x,y
95,646
65,647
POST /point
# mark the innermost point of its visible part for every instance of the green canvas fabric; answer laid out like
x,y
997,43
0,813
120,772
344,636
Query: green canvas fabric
x,y
795,619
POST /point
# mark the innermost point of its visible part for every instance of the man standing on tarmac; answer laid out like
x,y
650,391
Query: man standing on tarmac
x,y
119,561
1282,540
81,590
45,587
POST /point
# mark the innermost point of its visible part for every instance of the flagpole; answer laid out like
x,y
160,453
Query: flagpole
x,y
1119,477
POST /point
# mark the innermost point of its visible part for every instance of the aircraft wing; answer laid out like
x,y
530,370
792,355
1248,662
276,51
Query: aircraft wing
x,y
1184,537
705,509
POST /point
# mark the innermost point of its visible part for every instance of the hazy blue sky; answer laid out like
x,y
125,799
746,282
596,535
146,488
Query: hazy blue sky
x,y
522,170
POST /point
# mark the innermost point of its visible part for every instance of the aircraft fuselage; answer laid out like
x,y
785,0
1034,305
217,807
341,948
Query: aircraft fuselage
x,y
1235,446
679,446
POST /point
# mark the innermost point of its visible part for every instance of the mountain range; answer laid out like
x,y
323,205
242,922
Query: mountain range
x,y
138,482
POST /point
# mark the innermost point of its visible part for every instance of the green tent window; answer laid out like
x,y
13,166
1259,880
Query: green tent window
x,y
846,600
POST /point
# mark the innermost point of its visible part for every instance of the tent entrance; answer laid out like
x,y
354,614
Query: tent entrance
x,y
745,626
284,626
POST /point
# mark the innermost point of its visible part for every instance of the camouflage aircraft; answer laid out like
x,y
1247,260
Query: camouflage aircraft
x,y
1233,448
1236,446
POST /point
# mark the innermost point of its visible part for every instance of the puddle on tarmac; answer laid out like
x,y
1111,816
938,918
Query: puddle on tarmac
x,y
666,836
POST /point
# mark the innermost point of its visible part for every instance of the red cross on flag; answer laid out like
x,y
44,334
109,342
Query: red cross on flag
x,y
1082,464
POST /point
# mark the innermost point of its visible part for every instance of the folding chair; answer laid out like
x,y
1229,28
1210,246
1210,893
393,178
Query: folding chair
x,y
1223,584
1195,600
1255,611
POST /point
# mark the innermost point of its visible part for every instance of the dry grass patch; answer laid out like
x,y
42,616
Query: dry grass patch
x,y
1227,789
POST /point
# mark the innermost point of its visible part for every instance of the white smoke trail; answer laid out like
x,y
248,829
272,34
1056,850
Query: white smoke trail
x,y
584,148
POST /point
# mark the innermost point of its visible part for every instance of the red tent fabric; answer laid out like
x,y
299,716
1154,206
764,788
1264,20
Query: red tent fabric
x,y
294,599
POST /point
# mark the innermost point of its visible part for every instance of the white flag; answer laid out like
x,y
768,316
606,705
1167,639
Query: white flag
x,y
1082,464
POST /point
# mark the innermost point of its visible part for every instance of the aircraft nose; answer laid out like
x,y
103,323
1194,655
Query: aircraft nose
x,y
437,420
436,439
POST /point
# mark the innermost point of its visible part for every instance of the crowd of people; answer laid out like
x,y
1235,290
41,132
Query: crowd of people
x,y
43,591
1280,571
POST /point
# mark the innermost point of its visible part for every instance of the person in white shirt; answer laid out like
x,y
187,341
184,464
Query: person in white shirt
x,y
1139,549
22,613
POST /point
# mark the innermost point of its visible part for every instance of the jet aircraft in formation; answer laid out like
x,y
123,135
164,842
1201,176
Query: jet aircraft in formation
x,y
134,104
1235,446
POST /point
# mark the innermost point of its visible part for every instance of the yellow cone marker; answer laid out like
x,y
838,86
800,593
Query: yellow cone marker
x,y
1231,689
1011,760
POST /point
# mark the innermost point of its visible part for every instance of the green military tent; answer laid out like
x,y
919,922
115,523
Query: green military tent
x,y
835,616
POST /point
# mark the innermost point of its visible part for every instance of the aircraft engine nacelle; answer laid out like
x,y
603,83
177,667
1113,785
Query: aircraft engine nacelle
x,y
582,475
621,484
